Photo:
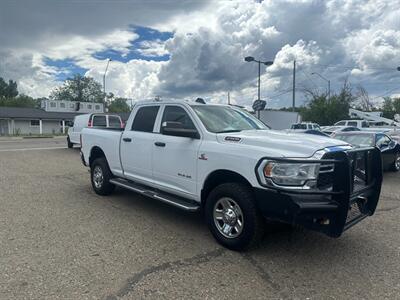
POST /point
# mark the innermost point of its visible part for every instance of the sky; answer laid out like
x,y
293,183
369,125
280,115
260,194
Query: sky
x,y
193,48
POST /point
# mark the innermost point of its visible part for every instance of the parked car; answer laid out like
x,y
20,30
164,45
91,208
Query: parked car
x,y
305,126
390,149
394,135
333,130
91,120
353,123
316,132
224,161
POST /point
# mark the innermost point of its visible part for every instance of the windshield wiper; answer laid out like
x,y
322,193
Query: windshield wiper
x,y
227,131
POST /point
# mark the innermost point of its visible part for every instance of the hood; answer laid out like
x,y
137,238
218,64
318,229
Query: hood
x,y
281,143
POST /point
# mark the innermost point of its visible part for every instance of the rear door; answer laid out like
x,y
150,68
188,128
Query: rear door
x,y
137,145
80,122
175,157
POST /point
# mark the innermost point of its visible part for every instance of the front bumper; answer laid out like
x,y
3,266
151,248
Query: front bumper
x,y
353,194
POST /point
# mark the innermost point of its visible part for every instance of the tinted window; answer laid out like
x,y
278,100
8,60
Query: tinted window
x,y
351,129
177,114
341,123
364,124
114,121
145,118
352,123
299,126
99,121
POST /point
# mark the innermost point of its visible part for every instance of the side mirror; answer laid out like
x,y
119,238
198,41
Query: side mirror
x,y
392,144
177,129
383,146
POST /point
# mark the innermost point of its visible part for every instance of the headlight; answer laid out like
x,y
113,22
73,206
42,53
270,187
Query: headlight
x,y
290,174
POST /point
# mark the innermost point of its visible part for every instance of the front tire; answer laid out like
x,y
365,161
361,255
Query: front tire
x,y
100,175
233,218
396,164
69,144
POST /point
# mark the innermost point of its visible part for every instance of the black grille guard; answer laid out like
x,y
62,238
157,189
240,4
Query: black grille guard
x,y
353,195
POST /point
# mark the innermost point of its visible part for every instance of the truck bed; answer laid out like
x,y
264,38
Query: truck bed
x,y
106,139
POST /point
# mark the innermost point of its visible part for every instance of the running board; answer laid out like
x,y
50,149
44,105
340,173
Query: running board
x,y
155,194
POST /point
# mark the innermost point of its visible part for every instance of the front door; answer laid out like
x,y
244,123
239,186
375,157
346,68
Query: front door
x,y
383,143
175,157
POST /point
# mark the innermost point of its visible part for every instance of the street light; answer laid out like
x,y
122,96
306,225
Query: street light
x,y
327,80
267,63
104,79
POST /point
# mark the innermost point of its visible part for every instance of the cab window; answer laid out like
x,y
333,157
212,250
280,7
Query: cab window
x,y
341,123
99,121
352,123
114,122
145,118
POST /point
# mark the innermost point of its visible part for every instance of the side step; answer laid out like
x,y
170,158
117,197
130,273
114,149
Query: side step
x,y
179,202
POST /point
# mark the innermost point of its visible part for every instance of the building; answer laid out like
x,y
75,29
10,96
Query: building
x,y
52,118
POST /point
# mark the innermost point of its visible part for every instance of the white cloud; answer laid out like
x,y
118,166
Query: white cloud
x,y
358,40
152,48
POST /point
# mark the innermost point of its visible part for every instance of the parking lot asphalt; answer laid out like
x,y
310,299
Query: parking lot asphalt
x,y
58,239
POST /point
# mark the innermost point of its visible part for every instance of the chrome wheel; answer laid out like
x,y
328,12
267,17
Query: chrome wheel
x,y
228,217
397,163
98,177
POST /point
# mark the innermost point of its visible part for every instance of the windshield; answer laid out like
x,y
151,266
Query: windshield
x,y
219,119
299,126
359,140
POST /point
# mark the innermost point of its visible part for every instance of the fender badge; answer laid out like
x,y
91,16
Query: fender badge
x,y
203,156
232,139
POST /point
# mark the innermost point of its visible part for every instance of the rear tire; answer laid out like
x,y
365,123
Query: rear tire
x,y
233,217
69,144
396,164
100,175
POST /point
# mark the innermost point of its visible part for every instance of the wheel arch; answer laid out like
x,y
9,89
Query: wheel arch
x,y
96,152
218,177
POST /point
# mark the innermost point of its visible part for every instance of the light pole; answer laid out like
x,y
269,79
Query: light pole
x,y
327,80
104,80
267,63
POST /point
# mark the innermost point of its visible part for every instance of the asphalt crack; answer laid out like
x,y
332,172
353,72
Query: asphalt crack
x,y
264,275
136,278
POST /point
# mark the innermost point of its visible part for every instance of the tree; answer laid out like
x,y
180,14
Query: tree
x,y
20,101
396,105
8,90
364,99
119,105
327,111
388,110
79,88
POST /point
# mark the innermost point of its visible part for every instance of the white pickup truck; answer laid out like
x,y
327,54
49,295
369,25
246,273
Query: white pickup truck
x,y
223,161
